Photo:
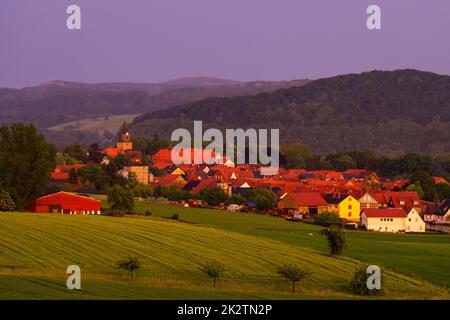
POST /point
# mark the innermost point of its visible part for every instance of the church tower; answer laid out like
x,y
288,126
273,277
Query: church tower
x,y
124,138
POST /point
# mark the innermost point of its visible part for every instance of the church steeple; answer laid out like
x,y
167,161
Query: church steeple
x,y
124,138
124,133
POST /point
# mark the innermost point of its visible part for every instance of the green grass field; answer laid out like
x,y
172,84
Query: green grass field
x,y
110,123
423,255
35,250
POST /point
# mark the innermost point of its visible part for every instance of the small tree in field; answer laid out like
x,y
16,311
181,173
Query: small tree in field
x,y
120,199
129,264
213,270
293,273
336,239
6,202
358,284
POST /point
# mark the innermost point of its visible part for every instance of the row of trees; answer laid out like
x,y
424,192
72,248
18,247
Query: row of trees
x,y
264,199
121,199
215,270
302,157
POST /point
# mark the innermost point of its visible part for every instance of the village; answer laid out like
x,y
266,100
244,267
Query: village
x,y
359,197
221,158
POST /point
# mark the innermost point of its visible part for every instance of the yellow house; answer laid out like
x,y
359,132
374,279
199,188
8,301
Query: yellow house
x,y
348,207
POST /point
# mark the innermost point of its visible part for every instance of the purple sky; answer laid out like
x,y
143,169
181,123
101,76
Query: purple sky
x,y
157,40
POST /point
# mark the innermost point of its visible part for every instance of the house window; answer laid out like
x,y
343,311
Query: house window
x,y
392,219
349,214
381,219
349,207
349,199
409,219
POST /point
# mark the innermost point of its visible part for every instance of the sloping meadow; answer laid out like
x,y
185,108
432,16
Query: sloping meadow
x,y
171,254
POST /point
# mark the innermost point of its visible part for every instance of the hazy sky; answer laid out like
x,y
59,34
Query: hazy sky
x,y
157,40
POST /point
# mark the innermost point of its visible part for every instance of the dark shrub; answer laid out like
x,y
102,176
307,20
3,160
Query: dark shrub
x,y
327,219
358,284
148,213
336,239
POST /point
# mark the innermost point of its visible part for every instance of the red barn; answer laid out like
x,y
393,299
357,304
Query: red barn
x,y
66,203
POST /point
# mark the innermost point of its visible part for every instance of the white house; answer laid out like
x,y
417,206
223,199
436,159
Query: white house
x,y
442,216
392,220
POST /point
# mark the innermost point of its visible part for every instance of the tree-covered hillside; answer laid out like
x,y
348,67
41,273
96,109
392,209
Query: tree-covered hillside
x,y
56,102
394,112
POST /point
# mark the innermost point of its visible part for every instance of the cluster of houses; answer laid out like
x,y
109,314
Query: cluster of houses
x,y
358,196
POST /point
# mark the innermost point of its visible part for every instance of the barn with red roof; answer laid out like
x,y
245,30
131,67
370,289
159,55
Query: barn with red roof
x,y
303,202
65,203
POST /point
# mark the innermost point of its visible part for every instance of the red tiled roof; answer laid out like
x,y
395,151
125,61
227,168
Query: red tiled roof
x,y
385,213
355,171
408,197
112,152
379,195
205,183
59,176
165,155
292,173
161,165
333,175
394,184
162,155
239,183
308,199
245,174
62,172
168,179
440,180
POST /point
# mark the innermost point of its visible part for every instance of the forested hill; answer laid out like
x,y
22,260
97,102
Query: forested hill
x,y
394,112
55,102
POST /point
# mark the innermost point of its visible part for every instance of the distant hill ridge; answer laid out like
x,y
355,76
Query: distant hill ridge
x,y
151,88
394,112
54,102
